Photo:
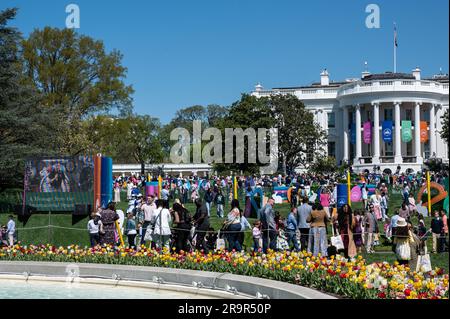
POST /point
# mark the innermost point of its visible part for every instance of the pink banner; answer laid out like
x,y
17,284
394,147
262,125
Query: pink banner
x,y
367,132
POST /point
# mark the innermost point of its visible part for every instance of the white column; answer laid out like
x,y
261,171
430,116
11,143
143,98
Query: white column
x,y
345,125
358,153
433,150
417,146
376,133
398,140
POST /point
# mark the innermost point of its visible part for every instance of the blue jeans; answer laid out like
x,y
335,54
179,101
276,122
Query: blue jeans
x,y
208,207
291,237
269,240
318,241
233,237
94,239
255,244
220,210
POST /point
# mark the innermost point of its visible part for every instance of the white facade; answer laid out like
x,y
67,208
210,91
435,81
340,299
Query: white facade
x,y
375,98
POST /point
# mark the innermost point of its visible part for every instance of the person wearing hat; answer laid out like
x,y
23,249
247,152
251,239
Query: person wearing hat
x,y
406,244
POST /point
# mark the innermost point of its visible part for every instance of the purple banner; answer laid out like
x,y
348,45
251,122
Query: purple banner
x,y
367,132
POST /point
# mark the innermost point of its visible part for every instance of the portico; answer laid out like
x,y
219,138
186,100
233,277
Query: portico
x,y
380,151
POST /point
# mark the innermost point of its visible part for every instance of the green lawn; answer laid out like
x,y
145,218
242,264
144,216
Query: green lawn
x,y
69,231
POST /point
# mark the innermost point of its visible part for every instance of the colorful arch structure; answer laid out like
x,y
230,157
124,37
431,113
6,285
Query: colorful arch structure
x,y
442,193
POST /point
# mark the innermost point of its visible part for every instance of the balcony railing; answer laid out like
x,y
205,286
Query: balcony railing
x,y
360,87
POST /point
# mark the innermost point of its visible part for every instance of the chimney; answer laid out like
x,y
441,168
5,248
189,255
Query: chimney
x,y
258,87
416,73
324,78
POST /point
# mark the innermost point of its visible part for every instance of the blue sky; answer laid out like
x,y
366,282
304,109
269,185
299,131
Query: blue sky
x,y
182,53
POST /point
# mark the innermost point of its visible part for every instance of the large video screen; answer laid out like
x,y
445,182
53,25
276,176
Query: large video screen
x,y
58,184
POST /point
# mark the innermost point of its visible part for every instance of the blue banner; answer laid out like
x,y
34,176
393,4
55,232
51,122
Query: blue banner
x,y
353,133
386,130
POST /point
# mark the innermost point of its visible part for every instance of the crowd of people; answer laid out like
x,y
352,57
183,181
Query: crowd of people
x,y
314,223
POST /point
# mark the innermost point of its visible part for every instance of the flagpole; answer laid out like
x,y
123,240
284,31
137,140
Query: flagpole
x,y
395,48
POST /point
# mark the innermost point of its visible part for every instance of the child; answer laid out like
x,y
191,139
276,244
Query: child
x,y
282,243
210,239
257,237
387,229
130,230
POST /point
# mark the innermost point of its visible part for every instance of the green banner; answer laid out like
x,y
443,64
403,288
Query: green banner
x,y
57,201
406,131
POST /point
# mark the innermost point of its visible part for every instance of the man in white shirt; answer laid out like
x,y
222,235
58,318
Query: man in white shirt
x,y
11,229
149,208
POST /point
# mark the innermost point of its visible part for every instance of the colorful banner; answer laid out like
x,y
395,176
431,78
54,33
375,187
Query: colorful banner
x,y
367,132
353,133
406,131
423,131
355,194
386,130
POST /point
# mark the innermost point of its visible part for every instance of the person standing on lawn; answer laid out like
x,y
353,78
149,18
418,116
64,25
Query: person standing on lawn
x,y
444,242
11,229
201,223
303,212
346,224
437,228
404,212
148,208
130,230
358,231
94,226
269,226
384,206
162,220
370,228
318,231
108,219
220,201
291,228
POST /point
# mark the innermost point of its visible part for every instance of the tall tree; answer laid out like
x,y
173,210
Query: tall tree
x,y
248,112
130,139
300,139
26,130
74,74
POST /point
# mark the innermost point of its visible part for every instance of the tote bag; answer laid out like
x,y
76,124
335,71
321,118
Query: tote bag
x,y
336,241
403,251
424,263
220,242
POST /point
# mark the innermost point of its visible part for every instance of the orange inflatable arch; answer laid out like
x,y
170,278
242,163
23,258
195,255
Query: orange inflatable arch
x,y
442,193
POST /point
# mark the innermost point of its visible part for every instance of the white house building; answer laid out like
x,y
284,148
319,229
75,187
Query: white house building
x,y
387,120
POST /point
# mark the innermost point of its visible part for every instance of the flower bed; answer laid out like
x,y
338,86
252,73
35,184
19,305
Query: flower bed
x,y
347,278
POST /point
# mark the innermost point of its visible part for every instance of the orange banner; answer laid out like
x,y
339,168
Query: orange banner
x,y
423,132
